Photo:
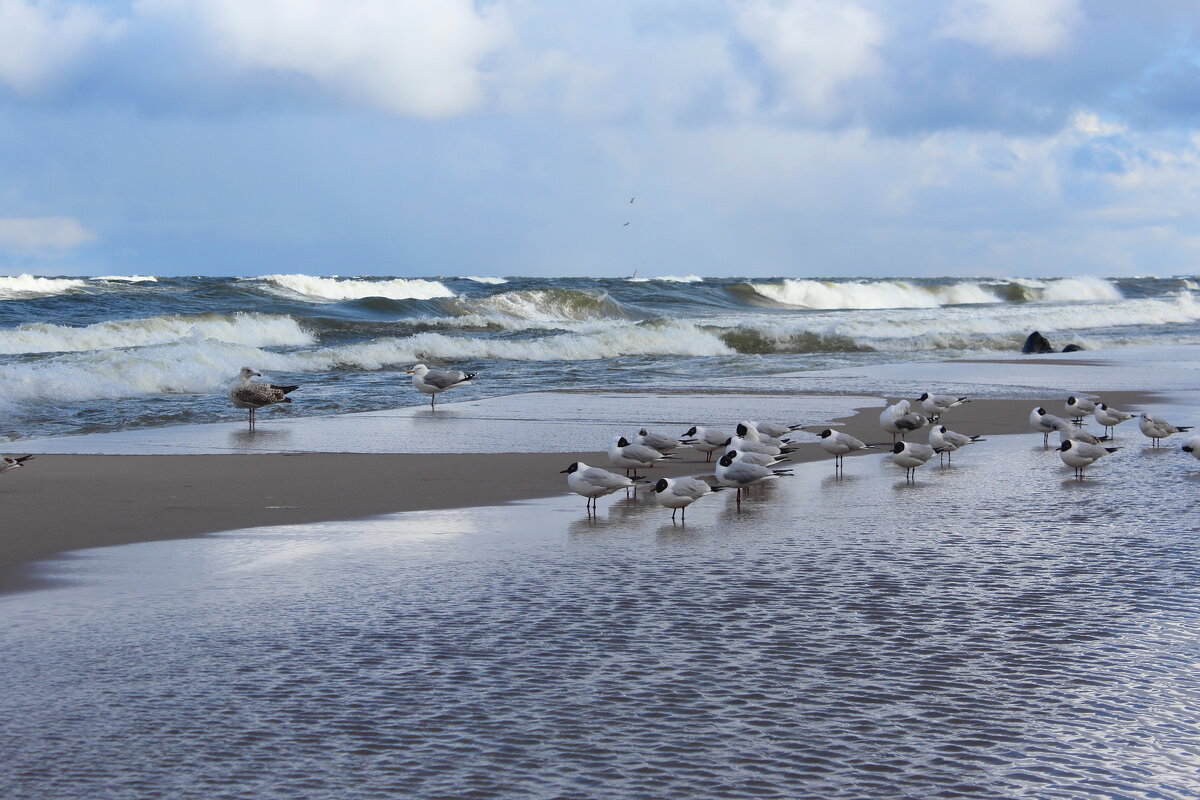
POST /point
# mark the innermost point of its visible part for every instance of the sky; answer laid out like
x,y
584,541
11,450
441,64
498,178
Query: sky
x,y
449,137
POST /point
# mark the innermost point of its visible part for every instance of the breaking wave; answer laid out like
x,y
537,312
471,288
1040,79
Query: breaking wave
x,y
668,279
542,305
259,330
127,278
23,286
315,288
484,279
829,295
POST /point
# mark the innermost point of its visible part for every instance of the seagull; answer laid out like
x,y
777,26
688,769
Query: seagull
x,y
706,440
632,199
1078,455
1044,423
253,395
910,456
593,482
7,463
934,404
838,444
1157,428
749,445
626,225
1068,431
1110,418
733,473
762,459
629,456
679,493
773,430
435,381
947,441
899,421
1079,406
661,443
1192,445
750,432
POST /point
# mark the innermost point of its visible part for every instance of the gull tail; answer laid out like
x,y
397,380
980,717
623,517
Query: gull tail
x,y
23,459
285,389
783,473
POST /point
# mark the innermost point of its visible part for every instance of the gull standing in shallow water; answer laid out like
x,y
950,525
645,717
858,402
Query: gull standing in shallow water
x,y
934,404
838,444
1078,455
1044,423
1079,406
899,421
740,475
7,463
435,381
1158,428
679,493
253,395
910,456
706,440
946,441
1110,418
593,482
631,456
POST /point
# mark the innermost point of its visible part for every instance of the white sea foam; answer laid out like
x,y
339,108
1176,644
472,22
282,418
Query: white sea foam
x,y
15,287
127,278
198,366
870,294
258,330
1068,290
668,279
484,279
315,288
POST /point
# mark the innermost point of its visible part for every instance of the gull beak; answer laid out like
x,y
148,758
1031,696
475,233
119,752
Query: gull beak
x,y
408,372
562,472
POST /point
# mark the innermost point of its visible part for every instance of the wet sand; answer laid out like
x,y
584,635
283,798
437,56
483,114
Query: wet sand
x,y
61,503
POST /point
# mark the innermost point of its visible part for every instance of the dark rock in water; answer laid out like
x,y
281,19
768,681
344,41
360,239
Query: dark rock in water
x,y
1036,343
1072,348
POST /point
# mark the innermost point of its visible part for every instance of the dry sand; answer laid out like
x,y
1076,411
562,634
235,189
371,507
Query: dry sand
x,y
68,502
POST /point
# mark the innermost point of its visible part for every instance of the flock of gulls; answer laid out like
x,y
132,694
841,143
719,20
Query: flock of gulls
x,y
753,452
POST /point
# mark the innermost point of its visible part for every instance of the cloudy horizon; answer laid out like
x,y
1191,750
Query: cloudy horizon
x,y
446,137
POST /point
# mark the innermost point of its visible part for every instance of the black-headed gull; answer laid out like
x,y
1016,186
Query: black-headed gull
x,y
706,440
593,482
660,442
1110,418
911,455
1079,406
1078,455
934,405
1158,428
1192,445
253,395
1044,423
946,441
740,475
679,493
774,430
838,444
897,420
628,456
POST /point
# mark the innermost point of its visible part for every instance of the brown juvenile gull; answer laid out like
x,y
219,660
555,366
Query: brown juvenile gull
x,y
253,395
435,381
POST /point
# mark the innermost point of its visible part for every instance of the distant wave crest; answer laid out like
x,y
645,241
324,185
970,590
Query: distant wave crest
x,y
259,330
862,295
127,278
315,288
16,287
543,305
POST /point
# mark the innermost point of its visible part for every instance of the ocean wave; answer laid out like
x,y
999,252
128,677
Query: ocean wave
x,y
865,295
484,279
315,288
126,278
668,279
541,305
259,330
198,366
797,293
16,287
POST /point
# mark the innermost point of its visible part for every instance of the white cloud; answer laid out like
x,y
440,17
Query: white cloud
x,y
815,47
418,57
39,41
43,233
1019,28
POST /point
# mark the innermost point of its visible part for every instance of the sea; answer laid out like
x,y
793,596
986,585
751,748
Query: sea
x,y
118,352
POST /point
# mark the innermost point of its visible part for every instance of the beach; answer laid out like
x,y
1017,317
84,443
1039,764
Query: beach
x,y
335,619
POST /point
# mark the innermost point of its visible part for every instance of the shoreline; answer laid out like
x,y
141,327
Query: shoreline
x,y
63,503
